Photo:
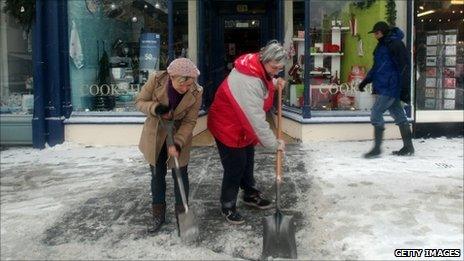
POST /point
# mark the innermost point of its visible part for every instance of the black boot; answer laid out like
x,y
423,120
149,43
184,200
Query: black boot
x,y
406,135
159,217
378,137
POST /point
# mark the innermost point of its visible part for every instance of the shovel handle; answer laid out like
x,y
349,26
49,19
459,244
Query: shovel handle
x,y
169,126
279,152
181,184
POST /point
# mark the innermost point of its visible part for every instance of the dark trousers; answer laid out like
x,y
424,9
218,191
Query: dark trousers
x,y
238,166
158,180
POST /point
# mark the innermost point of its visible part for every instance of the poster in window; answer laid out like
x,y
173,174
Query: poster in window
x,y
430,92
450,61
432,40
450,39
431,72
449,94
431,61
149,52
431,50
448,104
450,50
431,82
449,83
429,103
449,72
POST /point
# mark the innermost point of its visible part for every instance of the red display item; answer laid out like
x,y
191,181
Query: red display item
x,y
449,83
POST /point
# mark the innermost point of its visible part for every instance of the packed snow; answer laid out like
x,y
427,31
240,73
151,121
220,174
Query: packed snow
x,y
80,202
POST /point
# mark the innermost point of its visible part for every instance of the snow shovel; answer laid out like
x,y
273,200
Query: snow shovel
x,y
188,225
279,230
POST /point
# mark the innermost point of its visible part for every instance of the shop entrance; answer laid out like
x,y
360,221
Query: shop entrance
x,y
240,36
230,30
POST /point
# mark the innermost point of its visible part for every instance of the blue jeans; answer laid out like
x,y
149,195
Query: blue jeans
x,y
393,105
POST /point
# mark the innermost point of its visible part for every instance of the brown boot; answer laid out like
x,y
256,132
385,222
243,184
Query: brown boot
x,y
159,217
178,209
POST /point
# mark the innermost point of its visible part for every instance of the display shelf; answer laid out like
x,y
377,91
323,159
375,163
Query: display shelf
x,y
319,73
318,58
341,28
326,54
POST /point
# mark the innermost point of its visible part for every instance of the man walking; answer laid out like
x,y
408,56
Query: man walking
x,y
390,78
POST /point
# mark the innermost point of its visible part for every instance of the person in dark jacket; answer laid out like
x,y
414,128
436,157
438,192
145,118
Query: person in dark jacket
x,y
390,79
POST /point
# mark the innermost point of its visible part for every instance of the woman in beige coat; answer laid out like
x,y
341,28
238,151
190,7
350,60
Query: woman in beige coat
x,y
172,95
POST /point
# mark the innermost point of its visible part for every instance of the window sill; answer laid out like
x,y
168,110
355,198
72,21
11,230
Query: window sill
x,y
110,117
326,118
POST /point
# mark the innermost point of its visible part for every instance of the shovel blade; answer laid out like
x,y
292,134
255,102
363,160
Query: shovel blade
x,y
279,236
188,227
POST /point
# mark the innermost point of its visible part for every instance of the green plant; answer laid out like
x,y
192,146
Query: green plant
x,y
22,11
391,12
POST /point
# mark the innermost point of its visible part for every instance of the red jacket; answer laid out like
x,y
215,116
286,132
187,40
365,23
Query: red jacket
x,y
230,119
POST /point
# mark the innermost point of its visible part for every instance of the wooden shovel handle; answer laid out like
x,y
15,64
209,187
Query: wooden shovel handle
x,y
279,135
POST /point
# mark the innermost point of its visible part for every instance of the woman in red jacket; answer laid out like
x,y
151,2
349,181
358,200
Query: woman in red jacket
x,y
237,120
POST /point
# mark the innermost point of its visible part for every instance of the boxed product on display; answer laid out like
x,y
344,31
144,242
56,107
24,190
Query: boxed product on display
x,y
432,40
449,72
431,61
449,83
450,50
430,92
431,50
450,61
449,94
431,72
450,39
448,104
430,82
429,104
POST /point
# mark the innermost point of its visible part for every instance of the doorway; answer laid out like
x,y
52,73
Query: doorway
x,y
230,30
241,36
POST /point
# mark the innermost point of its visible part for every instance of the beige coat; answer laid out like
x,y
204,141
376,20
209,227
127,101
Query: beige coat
x,y
185,118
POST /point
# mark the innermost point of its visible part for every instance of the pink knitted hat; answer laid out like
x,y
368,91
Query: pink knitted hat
x,y
183,67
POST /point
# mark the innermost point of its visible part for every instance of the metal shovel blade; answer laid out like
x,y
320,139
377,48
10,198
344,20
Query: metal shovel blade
x,y
279,236
188,227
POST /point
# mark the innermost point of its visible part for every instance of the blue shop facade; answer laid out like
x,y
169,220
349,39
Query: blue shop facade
x,y
70,70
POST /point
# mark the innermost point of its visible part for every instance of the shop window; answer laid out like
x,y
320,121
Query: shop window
x,y
115,45
341,53
439,57
16,73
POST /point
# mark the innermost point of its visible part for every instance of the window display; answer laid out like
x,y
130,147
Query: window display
x,y
439,56
341,53
115,45
16,72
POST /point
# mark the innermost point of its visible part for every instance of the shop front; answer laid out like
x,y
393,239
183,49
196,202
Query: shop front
x,y
439,67
104,50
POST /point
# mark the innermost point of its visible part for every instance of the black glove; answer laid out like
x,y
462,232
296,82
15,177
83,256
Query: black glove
x,y
362,85
161,109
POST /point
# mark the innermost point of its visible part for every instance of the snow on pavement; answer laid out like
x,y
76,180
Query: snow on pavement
x,y
76,202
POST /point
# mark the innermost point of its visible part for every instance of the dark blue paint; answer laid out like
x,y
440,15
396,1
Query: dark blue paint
x,y
51,73
306,110
170,31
